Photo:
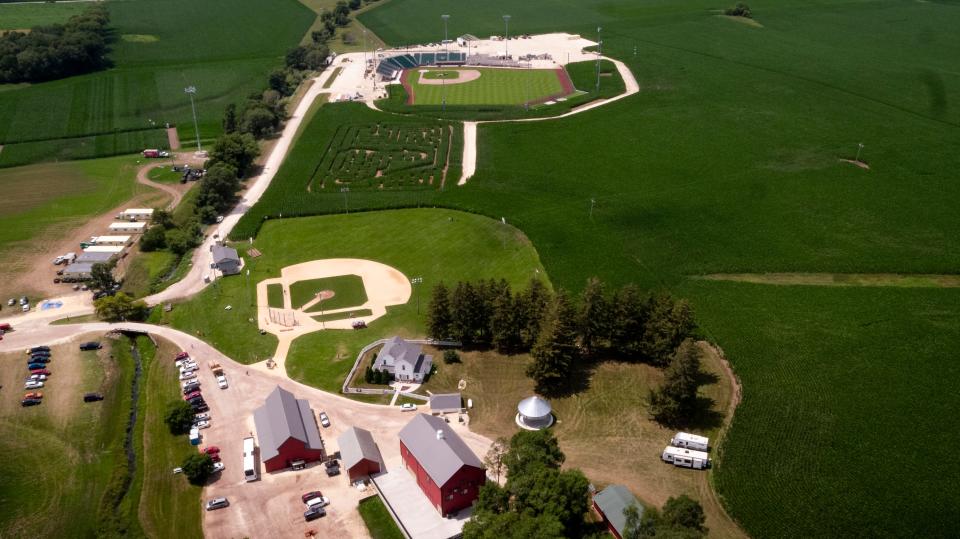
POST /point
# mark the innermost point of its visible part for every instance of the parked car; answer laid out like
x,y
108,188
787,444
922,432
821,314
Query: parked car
x,y
40,357
6,327
44,372
199,406
34,395
92,345
197,401
11,302
33,384
30,402
408,407
92,397
24,300
192,387
37,348
202,416
222,381
188,376
192,395
334,469
35,366
313,513
310,495
217,503
202,424
218,467
25,308
181,355
38,377
210,450
324,420
319,501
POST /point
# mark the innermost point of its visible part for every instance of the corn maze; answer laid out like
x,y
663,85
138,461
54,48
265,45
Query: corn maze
x,y
386,156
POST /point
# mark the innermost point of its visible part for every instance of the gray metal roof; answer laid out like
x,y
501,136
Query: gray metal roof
x,y
95,257
613,501
282,417
440,458
357,444
222,252
534,407
445,401
78,268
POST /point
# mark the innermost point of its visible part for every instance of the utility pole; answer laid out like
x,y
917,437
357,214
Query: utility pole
x,y
506,35
416,281
191,90
346,205
599,54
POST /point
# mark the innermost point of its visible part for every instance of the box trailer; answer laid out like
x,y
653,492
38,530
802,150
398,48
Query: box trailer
x,y
690,441
136,214
109,240
134,228
249,460
685,458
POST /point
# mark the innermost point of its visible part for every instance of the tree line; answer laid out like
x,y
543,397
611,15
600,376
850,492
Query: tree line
x,y
55,51
540,500
557,329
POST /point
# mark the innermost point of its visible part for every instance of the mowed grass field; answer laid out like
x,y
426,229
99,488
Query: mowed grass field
x,y
494,87
347,289
729,161
224,48
436,245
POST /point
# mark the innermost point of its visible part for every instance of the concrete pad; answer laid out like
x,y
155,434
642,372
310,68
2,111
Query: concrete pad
x,y
412,507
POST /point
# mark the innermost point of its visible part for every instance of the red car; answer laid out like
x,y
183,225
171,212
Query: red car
x,y
6,327
215,457
40,371
194,394
182,355
310,495
210,450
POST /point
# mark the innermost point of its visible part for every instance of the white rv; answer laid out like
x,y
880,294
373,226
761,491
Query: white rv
x,y
690,441
249,460
686,458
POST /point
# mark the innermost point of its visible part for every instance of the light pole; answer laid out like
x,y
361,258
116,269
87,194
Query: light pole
x,y
446,39
346,206
191,90
599,54
417,280
506,35
859,149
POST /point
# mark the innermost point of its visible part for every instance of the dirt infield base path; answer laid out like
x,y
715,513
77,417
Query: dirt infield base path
x,y
385,286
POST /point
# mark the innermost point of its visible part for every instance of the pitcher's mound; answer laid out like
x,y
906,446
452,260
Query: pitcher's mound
x,y
326,294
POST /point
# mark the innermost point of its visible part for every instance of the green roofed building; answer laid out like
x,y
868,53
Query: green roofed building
x,y
610,503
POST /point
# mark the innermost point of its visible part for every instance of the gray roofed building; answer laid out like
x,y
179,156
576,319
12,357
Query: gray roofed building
x,y
611,503
95,257
404,359
283,418
446,402
359,453
225,259
78,269
437,447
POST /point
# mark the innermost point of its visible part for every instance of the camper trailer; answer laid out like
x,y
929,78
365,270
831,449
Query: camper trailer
x,y
690,441
249,460
686,458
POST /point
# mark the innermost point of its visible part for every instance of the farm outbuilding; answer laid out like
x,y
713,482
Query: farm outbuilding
x,y
136,214
95,257
226,259
133,228
287,430
359,453
610,503
445,469
78,270
534,413
110,240
112,249
443,403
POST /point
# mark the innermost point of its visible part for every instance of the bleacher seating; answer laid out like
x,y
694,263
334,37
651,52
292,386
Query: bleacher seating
x,y
390,67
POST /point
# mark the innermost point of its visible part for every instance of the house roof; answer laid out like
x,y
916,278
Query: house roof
x,y
398,349
222,252
357,444
613,501
78,268
440,458
534,406
445,401
282,417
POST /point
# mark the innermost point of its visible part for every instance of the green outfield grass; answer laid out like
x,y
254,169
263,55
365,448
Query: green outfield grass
x,y
348,292
25,16
494,87
727,161
145,89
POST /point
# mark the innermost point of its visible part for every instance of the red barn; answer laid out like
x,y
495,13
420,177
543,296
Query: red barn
x,y
448,473
359,453
287,431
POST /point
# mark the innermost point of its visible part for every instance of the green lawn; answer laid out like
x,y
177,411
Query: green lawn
x,y
494,87
165,174
25,16
275,295
348,292
343,315
145,270
728,161
333,77
378,520
121,110
436,245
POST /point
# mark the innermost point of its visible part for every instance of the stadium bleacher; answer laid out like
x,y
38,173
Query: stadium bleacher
x,y
390,67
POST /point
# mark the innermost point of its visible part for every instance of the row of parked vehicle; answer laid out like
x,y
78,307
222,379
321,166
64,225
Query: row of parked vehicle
x,y
37,365
315,502
190,387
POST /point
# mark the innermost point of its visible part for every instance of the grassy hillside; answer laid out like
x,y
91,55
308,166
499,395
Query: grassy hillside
x,y
224,48
729,160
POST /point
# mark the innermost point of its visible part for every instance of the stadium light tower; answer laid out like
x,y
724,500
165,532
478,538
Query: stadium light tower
x,y
506,35
445,19
191,90
599,54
